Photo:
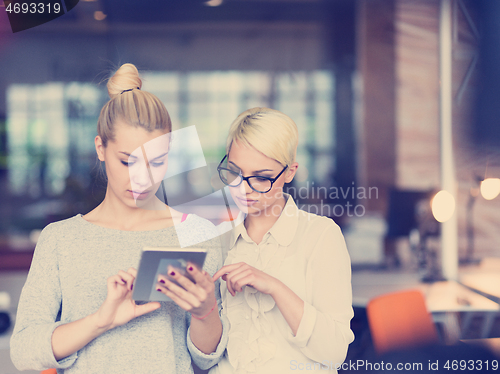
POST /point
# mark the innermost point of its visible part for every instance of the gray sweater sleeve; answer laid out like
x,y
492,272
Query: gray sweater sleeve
x,y
40,301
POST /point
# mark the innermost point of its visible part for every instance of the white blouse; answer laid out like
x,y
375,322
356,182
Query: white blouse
x,y
307,253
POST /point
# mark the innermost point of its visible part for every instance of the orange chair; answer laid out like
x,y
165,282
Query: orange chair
x,y
400,320
49,371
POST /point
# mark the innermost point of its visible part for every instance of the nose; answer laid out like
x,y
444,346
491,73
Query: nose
x,y
141,175
245,188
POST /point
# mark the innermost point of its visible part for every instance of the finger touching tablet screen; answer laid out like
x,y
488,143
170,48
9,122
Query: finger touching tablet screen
x,y
157,261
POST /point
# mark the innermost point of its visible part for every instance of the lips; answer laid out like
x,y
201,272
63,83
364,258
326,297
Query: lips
x,y
246,202
139,195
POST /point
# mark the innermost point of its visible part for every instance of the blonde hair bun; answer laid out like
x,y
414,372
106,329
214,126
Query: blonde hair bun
x,y
125,78
136,107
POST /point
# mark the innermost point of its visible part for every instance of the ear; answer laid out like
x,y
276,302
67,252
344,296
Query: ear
x,y
99,148
290,173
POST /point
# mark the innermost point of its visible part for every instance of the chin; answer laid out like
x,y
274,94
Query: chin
x,y
253,210
144,203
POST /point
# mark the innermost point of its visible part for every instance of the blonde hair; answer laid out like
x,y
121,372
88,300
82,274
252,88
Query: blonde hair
x,y
267,130
130,104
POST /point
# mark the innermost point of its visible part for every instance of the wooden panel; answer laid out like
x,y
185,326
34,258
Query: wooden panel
x,y
376,63
417,97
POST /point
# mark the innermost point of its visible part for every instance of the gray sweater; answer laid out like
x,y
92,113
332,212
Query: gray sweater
x,y
67,281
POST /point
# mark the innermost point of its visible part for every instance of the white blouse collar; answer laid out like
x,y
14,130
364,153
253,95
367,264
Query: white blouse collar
x,y
283,230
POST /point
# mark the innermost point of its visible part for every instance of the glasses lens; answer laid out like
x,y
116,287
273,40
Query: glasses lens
x,y
231,178
260,184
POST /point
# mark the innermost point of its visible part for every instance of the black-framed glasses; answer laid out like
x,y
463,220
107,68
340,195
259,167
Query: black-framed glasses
x,y
233,178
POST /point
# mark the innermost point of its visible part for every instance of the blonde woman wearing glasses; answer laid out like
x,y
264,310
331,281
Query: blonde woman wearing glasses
x,y
287,290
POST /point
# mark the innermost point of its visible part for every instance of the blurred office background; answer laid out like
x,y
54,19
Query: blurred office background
x,y
360,79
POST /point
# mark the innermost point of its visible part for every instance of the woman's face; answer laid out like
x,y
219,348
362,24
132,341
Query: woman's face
x,y
251,162
136,162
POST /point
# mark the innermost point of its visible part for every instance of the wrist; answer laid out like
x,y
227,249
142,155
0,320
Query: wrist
x,y
97,325
276,288
214,307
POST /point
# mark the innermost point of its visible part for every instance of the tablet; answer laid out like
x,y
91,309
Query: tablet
x,y
156,261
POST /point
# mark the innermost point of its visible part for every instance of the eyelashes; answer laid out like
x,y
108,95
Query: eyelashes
x,y
154,164
260,178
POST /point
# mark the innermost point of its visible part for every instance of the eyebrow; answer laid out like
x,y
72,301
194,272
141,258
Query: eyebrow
x,y
255,171
129,155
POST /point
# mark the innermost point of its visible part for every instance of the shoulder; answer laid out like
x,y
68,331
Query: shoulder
x,y
54,237
199,222
199,226
196,230
312,224
62,227
318,235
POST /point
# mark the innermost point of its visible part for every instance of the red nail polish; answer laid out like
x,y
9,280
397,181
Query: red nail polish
x,y
162,281
172,273
190,268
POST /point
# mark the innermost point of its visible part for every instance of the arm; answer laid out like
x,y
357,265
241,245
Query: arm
x,y
35,343
70,337
207,338
288,302
202,359
320,328
205,333
198,299
117,309
290,305
324,332
38,308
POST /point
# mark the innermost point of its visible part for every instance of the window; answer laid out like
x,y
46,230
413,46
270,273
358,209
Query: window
x,y
51,129
212,100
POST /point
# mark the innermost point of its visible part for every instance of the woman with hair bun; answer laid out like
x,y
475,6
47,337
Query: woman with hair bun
x,y
287,290
76,311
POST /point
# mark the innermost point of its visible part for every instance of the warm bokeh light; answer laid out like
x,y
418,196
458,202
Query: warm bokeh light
x,y
34,235
213,2
490,188
99,16
443,206
4,300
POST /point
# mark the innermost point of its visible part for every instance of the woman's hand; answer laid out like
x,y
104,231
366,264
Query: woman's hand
x,y
197,298
119,308
241,274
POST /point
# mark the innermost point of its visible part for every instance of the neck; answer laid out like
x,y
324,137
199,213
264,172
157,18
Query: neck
x,y
261,222
112,209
